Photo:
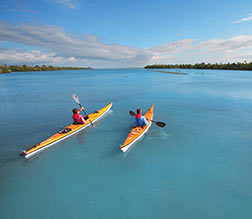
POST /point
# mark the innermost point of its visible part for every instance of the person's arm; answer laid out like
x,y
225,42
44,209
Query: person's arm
x,y
86,118
82,119
145,121
82,108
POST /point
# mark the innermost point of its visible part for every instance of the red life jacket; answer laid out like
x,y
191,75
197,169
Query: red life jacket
x,y
138,116
77,118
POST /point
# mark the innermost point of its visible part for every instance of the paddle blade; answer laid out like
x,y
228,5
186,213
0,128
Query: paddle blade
x,y
132,113
161,124
76,99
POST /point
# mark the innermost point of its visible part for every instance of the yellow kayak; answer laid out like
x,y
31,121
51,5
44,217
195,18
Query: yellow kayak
x,y
137,132
64,133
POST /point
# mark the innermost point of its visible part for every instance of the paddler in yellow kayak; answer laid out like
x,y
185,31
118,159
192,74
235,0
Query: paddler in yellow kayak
x,y
77,118
139,119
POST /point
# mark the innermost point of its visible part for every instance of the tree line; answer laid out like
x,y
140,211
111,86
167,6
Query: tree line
x,y
228,66
20,68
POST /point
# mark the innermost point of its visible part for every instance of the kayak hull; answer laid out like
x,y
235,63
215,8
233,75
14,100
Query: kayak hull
x,y
58,137
137,132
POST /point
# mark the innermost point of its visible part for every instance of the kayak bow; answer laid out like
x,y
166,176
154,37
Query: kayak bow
x,y
65,133
137,132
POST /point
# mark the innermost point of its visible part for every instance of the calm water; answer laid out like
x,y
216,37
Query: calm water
x,y
197,167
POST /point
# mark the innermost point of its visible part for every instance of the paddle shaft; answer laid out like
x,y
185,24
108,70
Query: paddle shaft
x,y
86,114
160,124
152,120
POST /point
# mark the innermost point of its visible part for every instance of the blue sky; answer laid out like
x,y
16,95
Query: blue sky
x,y
124,33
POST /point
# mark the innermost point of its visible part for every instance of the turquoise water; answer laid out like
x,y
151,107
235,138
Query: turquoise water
x,y
198,166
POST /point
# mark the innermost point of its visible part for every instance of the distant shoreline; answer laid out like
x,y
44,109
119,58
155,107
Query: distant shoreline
x,y
25,68
228,66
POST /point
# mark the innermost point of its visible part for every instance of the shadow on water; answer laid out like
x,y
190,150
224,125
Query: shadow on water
x,y
80,137
5,161
116,149
115,152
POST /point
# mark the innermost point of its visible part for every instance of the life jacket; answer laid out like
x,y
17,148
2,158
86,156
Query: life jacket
x,y
77,118
138,116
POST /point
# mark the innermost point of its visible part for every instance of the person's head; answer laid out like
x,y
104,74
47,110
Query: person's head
x,y
139,111
75,110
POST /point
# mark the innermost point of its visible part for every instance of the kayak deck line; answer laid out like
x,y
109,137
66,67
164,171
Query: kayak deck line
x,y
138,132
60,136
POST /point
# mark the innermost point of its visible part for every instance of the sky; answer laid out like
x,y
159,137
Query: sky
x,y
124,34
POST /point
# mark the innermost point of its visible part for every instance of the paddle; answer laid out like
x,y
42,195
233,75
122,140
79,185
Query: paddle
x,y
76,99
161,124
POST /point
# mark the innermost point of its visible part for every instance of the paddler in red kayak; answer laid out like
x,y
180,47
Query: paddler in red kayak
x,y
77,118
140,120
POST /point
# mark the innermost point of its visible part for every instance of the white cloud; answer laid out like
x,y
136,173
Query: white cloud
x,y
249,18
173,47
72,59
67,3
61,48
14,56
55,40
227,45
